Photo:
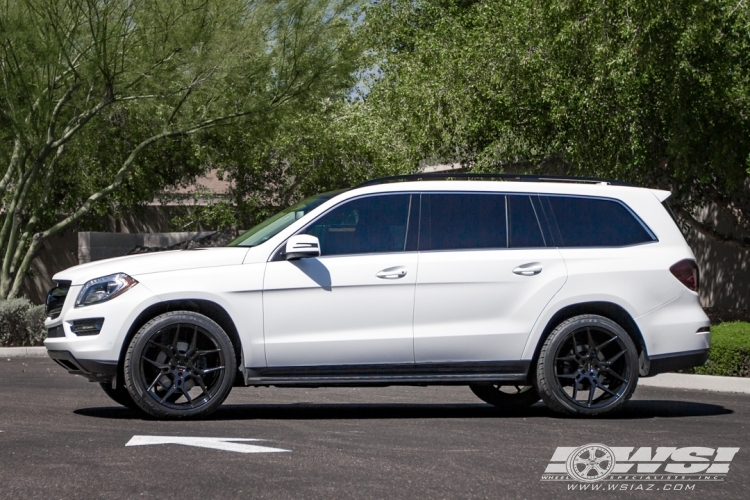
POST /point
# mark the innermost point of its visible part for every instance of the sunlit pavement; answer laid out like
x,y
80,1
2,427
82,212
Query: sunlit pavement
x,y
63,438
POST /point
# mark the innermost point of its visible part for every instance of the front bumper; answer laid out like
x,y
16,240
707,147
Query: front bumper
x,y
94,370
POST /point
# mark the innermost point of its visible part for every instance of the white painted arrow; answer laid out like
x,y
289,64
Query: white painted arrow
x,y
225,444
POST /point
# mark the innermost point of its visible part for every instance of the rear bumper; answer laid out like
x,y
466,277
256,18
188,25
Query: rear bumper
x,y
677,361
94,370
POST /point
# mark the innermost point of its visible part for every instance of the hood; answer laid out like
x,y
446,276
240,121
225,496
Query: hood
x,y
155,262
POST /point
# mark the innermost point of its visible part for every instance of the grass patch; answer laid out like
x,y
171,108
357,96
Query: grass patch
x,y
730,351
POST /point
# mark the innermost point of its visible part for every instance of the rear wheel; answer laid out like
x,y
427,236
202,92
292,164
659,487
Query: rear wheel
x,y
180,365
506,396
588,366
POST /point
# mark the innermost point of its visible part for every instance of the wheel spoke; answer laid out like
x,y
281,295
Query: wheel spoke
x,y
165,349
187,396
575,389
160,375
169,393
210,370
566,358
592,391
604,388
160,366
613,359
592,349
614,374
199,379
176,338
603,344
198,354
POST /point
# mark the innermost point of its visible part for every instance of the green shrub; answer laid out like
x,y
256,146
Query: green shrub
x,y
730,351
21,323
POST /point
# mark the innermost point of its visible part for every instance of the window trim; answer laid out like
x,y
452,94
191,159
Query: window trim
x,y
557,234
278,253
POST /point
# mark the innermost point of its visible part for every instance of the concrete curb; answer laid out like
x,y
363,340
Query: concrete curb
x,y
665,380
23,352
698,382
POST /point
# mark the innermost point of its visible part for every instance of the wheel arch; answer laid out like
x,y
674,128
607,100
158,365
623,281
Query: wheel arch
x,y
207,308
609,310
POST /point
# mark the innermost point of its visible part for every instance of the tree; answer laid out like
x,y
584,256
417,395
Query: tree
x,y
96,94
653,93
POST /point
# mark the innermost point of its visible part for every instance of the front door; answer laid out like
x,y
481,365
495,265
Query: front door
x,y
355,303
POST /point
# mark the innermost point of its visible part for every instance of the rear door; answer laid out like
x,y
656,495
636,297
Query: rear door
x,y
487,269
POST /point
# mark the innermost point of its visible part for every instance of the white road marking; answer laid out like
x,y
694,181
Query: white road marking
x,y
224,444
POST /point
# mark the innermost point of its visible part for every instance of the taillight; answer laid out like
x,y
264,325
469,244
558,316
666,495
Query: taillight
x,y
687,272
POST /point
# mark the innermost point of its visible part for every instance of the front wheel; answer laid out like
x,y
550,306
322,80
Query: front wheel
x,y
180,365
588,366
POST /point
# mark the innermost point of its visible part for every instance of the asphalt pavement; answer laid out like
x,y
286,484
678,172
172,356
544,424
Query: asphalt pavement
x,y
61,437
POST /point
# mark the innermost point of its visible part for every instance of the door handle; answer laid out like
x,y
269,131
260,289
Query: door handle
x,y
392,273
530,269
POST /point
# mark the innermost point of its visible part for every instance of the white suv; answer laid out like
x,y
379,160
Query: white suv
x,y
565,290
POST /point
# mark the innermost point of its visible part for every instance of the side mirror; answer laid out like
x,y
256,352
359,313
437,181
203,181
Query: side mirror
x,y
301,246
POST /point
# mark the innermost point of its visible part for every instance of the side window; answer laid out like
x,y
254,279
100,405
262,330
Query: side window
x,y
372,224
591,222
462,221
524,229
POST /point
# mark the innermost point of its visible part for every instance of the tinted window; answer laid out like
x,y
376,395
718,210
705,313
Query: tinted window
x,y
460,221
588,222
524,230
373,224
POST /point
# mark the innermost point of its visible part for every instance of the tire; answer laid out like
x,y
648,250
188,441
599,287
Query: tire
x,y
180,365
120,395
588,366
508,397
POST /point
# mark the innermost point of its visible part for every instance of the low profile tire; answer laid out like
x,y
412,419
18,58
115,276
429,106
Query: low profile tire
x,y
511,397
588,366
120,395
180,365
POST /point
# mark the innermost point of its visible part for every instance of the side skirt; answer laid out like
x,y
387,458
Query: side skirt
x,y
512,372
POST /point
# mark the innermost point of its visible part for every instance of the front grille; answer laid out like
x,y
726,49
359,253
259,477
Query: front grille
x,y
56,299
56,332
89,326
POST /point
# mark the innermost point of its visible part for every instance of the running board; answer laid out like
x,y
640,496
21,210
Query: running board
x,y
512,372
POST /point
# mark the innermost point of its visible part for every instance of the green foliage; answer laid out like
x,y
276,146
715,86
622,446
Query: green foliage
x,y
21,323
730,351
328,144
101,102
657,93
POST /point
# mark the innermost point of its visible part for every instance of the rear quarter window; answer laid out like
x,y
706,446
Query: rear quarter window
x,y
596,222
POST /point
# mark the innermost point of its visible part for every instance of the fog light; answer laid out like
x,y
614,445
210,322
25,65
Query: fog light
x,y
91,326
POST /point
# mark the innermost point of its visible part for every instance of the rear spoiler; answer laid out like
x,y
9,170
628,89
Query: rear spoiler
x,y
660,194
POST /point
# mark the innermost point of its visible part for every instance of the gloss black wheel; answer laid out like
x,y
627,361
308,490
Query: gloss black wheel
x,y
506,396
587,366
180,364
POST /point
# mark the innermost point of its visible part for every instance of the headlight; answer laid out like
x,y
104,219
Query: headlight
x,y
105,288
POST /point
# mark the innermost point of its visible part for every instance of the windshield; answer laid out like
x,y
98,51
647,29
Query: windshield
x,y
273,225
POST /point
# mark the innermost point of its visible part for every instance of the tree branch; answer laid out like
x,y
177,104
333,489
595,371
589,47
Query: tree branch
x,y
710,232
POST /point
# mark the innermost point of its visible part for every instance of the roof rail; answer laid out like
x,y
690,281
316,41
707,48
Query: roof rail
x,y
444,176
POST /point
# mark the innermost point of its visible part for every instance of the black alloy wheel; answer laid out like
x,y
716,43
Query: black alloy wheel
x,y
180,364
510,397
588,366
